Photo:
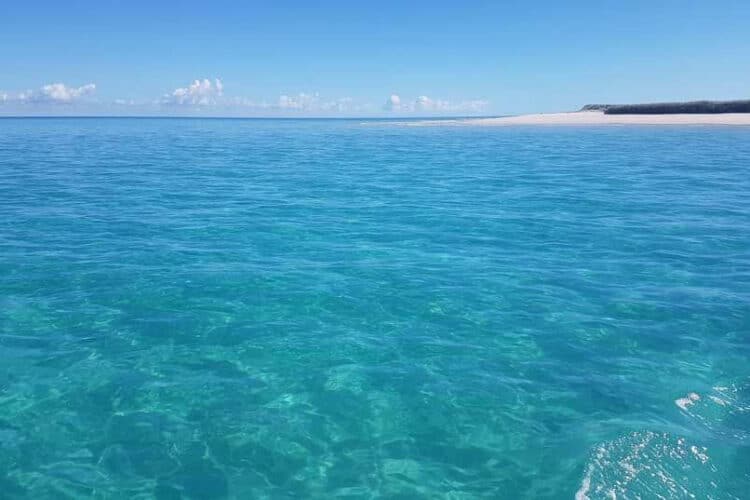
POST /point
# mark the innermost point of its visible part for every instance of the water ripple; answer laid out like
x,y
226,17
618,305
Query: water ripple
x,y
275,309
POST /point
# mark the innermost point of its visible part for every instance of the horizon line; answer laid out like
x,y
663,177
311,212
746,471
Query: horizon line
x,y
198,117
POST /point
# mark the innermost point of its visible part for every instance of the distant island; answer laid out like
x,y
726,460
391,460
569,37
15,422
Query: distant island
x,y
667,108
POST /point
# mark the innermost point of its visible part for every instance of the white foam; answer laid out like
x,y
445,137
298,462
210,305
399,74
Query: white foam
x,y
683,403
718,401
700,453
582,493
647,465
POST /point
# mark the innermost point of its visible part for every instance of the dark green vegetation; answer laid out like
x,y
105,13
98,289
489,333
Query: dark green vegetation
x,y
663,108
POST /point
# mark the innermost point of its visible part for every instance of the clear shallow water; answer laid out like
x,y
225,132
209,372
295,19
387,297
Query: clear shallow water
x,y
207,309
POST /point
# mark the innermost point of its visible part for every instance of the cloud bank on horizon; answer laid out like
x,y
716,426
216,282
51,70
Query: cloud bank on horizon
x,y
207,96
424,104
54,93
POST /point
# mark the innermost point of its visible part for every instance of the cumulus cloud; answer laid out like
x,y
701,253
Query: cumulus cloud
x,y
60,93
393,103
425,104
199,93
52,93
300,101
209,95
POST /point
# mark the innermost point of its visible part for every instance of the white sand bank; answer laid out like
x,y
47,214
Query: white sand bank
x,y
599,118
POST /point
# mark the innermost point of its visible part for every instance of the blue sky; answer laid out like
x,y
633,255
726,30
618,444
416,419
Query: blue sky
x,y
349,58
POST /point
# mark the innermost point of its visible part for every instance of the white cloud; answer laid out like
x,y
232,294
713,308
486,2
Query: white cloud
x,y
124,102
199,93
60,93
341,105
393,103
209,95
52,93
243,101
313,103
474,106
300,101
425,104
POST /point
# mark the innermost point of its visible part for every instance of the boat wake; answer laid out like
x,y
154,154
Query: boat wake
x,y
660,465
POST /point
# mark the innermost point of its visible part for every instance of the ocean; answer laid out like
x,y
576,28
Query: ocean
x,y
209,309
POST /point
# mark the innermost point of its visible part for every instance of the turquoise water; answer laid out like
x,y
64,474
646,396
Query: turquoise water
x,y
207,309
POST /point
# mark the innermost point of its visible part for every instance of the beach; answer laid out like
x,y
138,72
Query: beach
x,y
599,118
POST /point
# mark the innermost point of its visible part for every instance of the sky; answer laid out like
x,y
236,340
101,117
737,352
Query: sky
x,y
357,58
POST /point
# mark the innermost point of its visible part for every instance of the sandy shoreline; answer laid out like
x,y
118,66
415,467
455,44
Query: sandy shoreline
x,y
599,118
